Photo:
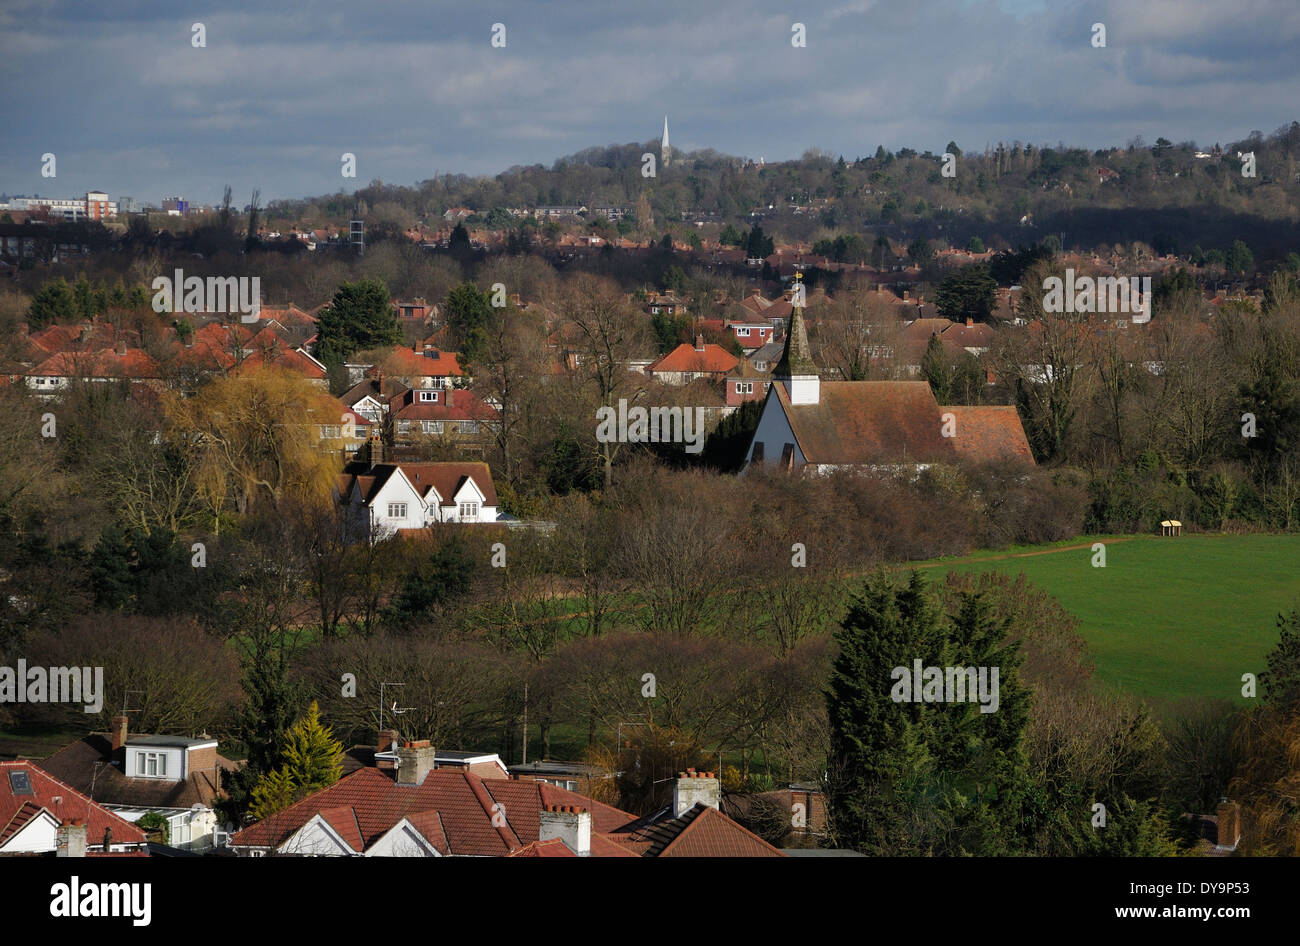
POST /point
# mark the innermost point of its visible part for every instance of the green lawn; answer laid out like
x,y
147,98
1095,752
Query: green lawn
x,y
1169,618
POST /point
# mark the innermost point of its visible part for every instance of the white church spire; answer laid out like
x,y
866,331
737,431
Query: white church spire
x,y
663,146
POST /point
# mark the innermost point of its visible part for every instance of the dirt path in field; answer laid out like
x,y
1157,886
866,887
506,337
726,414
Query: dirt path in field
x,y
999,558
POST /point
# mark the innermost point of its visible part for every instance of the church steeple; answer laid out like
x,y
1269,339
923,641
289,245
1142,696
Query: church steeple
x,y
664,152
796,367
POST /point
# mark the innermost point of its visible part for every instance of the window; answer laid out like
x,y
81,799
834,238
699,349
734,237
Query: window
x,y
744,332
20,782
469,427
761,365
397,510
469,511
329,431
431,426
151,764
744,387
428,396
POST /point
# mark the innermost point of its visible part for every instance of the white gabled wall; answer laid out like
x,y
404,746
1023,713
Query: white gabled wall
x,y
398,489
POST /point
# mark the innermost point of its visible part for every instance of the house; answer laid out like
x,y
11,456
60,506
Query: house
x,y
665,303
132,774
39,814
871,424
751,335
685,363
369,397
440,412
416,810
424,365
382,499
764,359
55,373
574,776
745,383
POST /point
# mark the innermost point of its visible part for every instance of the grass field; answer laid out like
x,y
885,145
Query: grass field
x,y
1168,618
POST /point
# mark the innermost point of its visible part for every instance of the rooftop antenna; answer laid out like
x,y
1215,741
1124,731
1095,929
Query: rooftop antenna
x,y
394,710
126,694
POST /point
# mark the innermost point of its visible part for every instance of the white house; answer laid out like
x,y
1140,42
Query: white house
x,y
386,498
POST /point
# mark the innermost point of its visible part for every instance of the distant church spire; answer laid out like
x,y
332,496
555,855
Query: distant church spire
x,y
663,146
796,367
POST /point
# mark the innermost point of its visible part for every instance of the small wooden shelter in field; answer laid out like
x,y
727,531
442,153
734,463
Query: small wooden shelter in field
x,y
1171,527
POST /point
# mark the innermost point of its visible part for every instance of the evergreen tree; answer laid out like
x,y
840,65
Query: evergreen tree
x,y
969,293
53,302
1280,684
273,793
876,742
313,757
469,315
359,317
110,569
936,368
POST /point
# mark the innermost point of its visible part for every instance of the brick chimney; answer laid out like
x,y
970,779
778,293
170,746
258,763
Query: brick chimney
x,y
699,343
71,837
119,732
970,322
570,824
386,742
414,762
1229,825
692,787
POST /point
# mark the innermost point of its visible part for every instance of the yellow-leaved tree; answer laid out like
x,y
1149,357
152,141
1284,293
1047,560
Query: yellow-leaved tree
x,y
313,759
258,436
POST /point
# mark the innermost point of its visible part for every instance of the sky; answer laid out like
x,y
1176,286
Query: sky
x,y
127,104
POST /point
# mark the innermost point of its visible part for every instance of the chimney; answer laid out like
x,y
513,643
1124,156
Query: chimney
x,y
570,824
72,838
108,839
414,762
119,732
1229,825
694,787
387,740
121,348
699,343
970,322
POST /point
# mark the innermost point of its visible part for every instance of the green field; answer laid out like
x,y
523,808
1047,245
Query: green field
x,y
1169,618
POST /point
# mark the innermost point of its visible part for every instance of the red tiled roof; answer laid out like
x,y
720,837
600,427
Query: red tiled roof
x,y
133,364
714,358
285,357
405,363
18,810
698,832
464,804
451,405
990,433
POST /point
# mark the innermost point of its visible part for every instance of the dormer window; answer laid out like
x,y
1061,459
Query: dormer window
x,y
151,764
428,396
